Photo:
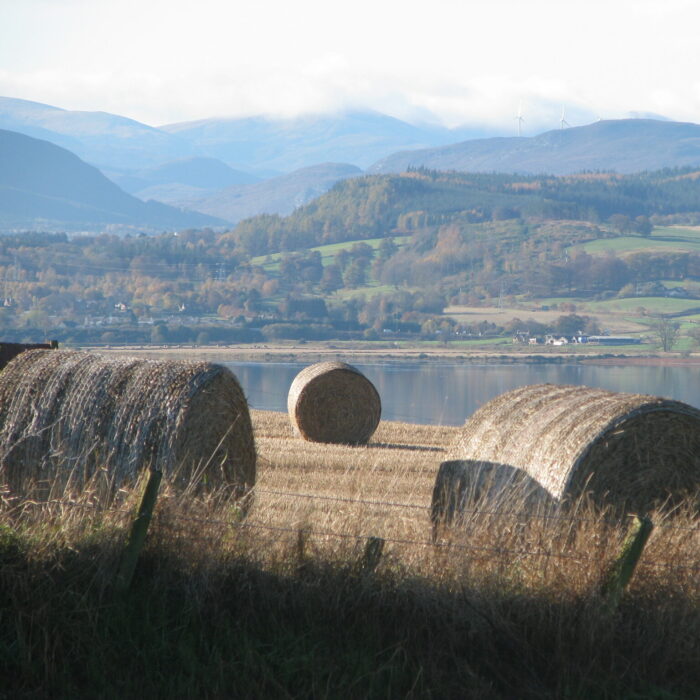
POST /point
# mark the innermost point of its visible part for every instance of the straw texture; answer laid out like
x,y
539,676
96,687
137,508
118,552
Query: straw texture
x,y
628,449
66,414
335,403
466,484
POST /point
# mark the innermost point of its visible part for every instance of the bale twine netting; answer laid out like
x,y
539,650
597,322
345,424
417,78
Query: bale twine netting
x,y
333,402
629,450
66,415
465,488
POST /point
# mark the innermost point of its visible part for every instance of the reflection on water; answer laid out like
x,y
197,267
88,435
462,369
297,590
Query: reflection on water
x,y
447,394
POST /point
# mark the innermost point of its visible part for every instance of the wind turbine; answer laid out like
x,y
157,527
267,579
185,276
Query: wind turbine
x,y
519,118
562,122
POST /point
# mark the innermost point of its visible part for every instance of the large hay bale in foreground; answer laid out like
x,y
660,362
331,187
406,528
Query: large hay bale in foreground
x,y
464,487
66,414
626,449
333,402
8,351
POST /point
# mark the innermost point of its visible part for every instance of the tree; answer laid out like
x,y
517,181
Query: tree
x,y
694,333
356,273
387,248
332,278
621,222
159,334
573,324
666,332
643,226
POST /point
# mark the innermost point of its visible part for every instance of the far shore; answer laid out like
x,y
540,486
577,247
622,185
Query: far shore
x,y
366,352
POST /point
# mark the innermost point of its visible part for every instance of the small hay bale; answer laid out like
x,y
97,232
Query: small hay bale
x,y
466,485
66,415
631,450
333,402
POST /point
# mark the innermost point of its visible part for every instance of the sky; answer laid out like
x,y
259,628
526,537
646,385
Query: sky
x,y
456,62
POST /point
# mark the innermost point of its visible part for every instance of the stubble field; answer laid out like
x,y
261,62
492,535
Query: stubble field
x,y
332,587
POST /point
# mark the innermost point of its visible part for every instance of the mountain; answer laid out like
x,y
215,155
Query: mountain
x,y
100,138
179,179
265,146
279,195
276,144
44,185
624,146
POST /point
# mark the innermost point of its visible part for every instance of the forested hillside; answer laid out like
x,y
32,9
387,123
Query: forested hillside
x,y
379,204
373,253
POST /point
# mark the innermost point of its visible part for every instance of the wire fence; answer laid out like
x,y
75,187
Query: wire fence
x,y
521,514
170,521
440,545
524,515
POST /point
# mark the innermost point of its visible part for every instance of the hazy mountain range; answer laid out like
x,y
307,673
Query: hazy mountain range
x,y
259,145
101,139
625,146
231,169
283,145
45,186
278,195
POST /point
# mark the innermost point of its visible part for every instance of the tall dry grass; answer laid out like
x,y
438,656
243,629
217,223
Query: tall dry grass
x,y
278,604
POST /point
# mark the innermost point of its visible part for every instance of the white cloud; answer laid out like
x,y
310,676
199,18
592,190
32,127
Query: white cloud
x,y
162,61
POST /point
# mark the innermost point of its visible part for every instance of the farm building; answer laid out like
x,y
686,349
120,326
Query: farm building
x,y
614,340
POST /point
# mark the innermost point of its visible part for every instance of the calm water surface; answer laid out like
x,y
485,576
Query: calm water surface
x,y
447,394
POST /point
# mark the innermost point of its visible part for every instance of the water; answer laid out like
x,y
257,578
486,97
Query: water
x,y
447,394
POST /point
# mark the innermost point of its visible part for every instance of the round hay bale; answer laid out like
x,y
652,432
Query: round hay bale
x,y
333,402
462,485
66,415
631,450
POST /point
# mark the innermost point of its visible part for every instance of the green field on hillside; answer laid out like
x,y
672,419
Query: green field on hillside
x,y
552,303
328,252
663,239
659,305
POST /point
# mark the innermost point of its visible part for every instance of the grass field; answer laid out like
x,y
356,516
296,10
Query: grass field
x,y
612,319
370,290
288,603
328,252
663,239
658,305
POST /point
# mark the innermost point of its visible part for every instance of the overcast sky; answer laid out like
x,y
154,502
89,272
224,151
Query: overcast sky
x,y
461,61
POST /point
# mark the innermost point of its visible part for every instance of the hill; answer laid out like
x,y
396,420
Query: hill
x,y
423,240
624,146
180,182
205,174
278,195
277,144
44,184
100,138
375,205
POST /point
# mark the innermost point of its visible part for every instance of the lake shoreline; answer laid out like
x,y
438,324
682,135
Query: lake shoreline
x,y
316,352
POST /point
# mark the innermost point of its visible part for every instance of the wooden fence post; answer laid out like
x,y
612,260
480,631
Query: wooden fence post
x,y
137,535
371,555
622,569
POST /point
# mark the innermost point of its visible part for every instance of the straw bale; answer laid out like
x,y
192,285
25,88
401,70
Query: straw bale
x,y
333,402
632,450
462,485
8,351
67,415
